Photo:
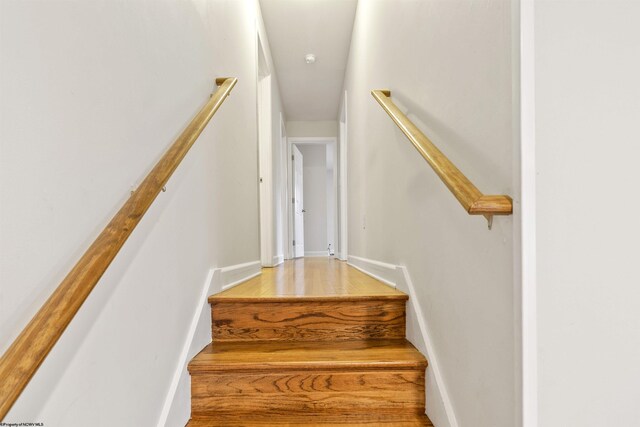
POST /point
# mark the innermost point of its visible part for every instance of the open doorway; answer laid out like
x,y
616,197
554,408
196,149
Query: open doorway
x,y
314,213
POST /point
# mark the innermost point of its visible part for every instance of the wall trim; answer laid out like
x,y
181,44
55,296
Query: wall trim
x,y
315,253
277,260
266,194
343,222
236,274
306,140
386,273
182,359
217,279
398,277
526,258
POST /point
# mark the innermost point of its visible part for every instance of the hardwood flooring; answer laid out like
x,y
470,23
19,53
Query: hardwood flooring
x,y
305,278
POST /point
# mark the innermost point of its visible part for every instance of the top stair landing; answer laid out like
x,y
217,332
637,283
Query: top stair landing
x,y
311,342
308,279
312,299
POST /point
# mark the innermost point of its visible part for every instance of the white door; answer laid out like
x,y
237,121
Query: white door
x,y
298,204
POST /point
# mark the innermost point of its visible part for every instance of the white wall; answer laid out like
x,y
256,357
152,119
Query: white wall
x,y
448,64
92,94
588,295
312,128
315,197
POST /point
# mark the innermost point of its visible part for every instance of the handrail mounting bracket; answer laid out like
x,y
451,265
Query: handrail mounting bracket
x,y
489,221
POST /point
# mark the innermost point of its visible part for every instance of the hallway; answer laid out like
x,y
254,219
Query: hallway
x,y
462,158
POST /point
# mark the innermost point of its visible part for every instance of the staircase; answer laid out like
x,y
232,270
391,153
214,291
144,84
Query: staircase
x,y
311,342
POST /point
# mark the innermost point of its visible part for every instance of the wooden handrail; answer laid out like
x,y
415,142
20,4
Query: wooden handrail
x,y
473,201
21,361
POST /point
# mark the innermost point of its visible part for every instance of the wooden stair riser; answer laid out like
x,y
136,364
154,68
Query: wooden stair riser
x,y
308,392
308,321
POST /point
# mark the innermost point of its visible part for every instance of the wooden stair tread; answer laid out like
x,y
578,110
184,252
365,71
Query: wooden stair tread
x,y
386,420
221,297
308,279
373,354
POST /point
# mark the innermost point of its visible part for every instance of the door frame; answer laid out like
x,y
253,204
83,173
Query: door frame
x,y
265,154
525,268
316,140
287,231
342,251
294,184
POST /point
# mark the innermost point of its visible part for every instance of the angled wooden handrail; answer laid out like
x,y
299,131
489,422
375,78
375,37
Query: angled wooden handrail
x,y
21,361
473,201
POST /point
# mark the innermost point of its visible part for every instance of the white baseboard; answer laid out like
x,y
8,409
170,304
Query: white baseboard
x,y
441,410
275,261
236,274
217,279
316,253
182,360
386,273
